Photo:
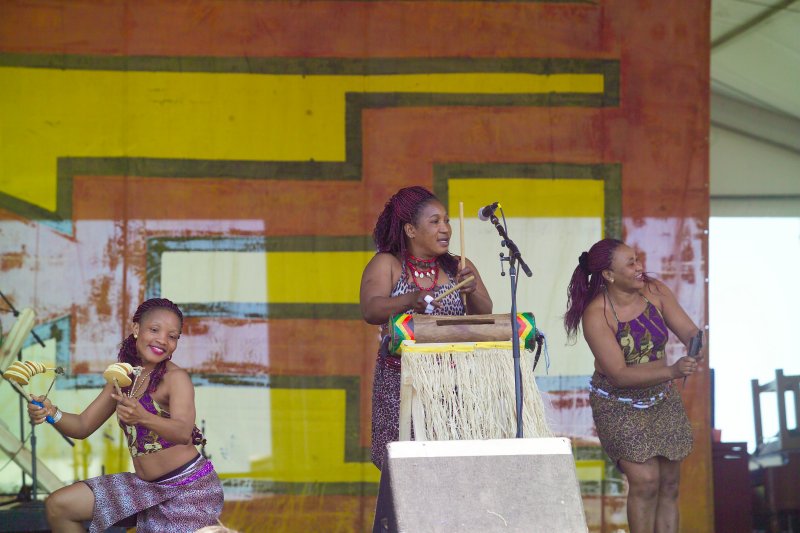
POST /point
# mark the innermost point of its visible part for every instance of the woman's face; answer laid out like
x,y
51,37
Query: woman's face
x,y
626,271
429,236
157,335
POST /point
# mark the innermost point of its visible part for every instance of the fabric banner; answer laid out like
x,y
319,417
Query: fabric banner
x,y
234,156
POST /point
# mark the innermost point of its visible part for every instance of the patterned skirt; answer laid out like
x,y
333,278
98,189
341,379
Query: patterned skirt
x,y
385,406
637,424
183,503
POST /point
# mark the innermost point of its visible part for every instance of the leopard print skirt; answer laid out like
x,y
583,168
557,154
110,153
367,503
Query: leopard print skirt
x,y
386,384
636,434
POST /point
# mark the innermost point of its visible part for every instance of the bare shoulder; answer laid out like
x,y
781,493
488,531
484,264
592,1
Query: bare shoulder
x,y
382,270
383,260
657,292
595,307
594,313
176,374
469,263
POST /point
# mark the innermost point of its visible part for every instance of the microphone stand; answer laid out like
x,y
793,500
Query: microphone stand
x,y
513,258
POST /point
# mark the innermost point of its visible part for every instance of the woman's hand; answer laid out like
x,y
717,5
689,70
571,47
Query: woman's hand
x,y
463,274
40,414
130,411
685,366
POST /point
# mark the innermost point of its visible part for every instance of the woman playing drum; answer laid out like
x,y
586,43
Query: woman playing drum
x,y
412,236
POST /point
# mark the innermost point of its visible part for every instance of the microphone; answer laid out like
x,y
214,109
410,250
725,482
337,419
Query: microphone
x,y
485,213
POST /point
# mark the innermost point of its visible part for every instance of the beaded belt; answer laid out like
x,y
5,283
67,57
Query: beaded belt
x,y
637,404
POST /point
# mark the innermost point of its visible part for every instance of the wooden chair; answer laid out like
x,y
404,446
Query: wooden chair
x,y
787,439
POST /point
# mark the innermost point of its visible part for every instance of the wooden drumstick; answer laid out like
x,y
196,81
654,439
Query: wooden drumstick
x,y
463,262
20,389
454,288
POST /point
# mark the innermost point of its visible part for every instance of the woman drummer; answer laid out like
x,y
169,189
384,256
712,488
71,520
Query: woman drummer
x,y
412,236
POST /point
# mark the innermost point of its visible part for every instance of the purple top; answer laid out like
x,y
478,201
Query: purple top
x,y
644,338
142,440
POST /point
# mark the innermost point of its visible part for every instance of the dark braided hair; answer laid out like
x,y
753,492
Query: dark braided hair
x,y
127,351
403,208
587,281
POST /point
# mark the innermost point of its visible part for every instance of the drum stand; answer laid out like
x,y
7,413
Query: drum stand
x,y
513,257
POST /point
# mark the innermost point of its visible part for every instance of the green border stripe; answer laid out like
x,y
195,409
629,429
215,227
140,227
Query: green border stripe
x,y
311,66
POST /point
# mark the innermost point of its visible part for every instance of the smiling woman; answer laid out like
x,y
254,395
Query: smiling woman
x,y
173,487
413,265
626,318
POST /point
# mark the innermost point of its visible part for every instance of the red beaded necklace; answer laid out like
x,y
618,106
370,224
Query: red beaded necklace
x,y
421,269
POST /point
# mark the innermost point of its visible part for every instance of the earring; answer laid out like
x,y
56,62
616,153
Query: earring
x,y
135,336
612,280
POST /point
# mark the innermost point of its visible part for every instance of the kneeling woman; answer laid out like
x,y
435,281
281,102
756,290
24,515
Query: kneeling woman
x,y
174,488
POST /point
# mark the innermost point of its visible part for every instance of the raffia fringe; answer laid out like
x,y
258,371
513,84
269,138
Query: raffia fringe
x,y
470,395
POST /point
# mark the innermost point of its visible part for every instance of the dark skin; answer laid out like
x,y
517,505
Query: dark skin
x,y
157,337
653,494
426,238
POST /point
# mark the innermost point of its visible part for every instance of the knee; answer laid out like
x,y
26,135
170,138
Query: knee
x,y
644,487
669,487
54,505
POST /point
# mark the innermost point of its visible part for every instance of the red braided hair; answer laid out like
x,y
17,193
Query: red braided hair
x,y
404,207
127,350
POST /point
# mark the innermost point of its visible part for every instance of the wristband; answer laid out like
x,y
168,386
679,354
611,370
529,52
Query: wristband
x,y
429,307
57,416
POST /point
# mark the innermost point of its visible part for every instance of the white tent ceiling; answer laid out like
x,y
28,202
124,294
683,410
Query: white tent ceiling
x,y
755,108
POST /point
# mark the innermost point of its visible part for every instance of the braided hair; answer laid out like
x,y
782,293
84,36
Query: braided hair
x,y
587,281
127,350
403,208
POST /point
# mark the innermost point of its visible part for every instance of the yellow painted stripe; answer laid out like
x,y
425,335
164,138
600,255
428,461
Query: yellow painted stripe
x,y
444,347
590,470
308,440
51,113
214,276
529,198
315,277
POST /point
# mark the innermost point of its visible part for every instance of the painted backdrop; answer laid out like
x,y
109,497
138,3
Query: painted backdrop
x,y
233,157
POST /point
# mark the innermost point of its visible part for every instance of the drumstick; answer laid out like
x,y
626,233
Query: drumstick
x,y
28,397
463,251
20,389
454,288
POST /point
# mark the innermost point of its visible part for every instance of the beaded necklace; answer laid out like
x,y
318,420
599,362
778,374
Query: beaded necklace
x,y
137,384
421,269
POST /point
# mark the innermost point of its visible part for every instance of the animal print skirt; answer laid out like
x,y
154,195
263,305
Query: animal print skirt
x,y
184,503
637,424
